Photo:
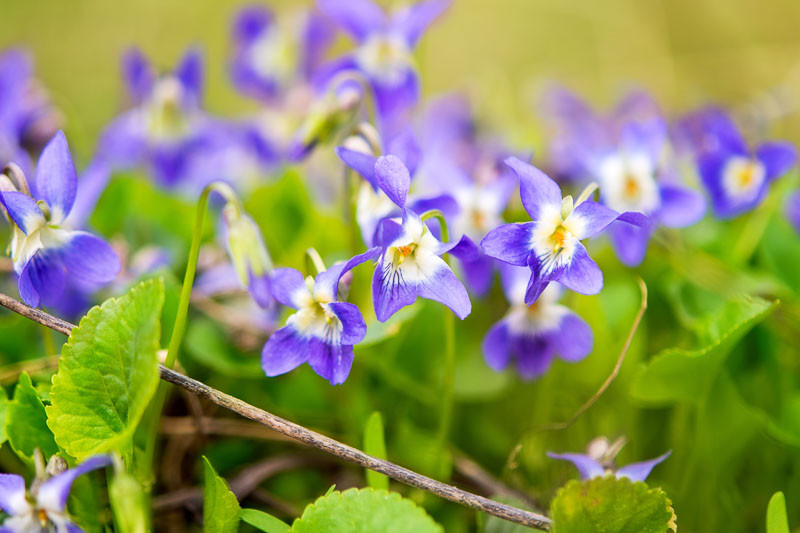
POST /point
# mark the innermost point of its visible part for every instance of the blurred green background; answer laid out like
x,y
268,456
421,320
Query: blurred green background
x,y
733,445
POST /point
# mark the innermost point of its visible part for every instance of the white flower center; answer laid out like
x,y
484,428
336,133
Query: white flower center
x,y
412,256
479,213
743,177
554,238
274,54
314,318
628,183
164,115
386,57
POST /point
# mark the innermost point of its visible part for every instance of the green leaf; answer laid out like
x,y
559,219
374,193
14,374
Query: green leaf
x,y
364,511
777,521
220,507
26,421
676,375
375,445
3,414
263,521
129,503
611,505
107,374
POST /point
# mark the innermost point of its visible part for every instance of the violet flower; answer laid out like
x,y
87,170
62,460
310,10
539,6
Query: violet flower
x,y
273,55
410,265
736,177
551,245
623,152
166,124
323,330
44,508
385,48
48,257
533,335
599,461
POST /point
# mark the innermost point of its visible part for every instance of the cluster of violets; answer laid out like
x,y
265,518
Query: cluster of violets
x,y
431,182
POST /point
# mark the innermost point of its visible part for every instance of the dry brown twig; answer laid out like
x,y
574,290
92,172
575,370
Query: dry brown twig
x,y
312,438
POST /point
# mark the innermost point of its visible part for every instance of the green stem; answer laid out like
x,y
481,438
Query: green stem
x,y
448,380
438,215
188,279
153,416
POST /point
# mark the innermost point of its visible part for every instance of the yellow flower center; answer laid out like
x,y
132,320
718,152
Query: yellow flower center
x,y
558,238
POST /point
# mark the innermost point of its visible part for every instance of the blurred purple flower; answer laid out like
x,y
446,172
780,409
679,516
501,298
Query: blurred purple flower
x,y
47,511
385,48
533,335
623,153
550,245
272,55
47,257
27,118
323,330
736,177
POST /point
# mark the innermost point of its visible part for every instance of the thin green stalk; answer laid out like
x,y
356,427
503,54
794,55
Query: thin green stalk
x,y
153,416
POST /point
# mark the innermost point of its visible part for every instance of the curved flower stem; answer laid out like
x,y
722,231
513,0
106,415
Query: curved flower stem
x,y
314,263
438,215
312,438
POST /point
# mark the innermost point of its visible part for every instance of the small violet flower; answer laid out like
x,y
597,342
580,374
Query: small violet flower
x,y
46,508
600,462
46,255
273,54
551,245
736,177
623,153
385,47
533,335
410,265
323,330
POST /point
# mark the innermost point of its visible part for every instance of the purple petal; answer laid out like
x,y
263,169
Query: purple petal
x,y
285,350
793,210
534,353
359,18
286,284
138,75
395,102
412,21
260,288
56,180
514,280
640,471
12,494
680,206
89,259
190,73
43,276
390,293
497,347
353,326
123,143
388,231
362,163
327,283
91,184
575,339
443,286
250,21
54,492
509,243
587,467
23,210
535,187
393,178
630,243
595,217
332,362
711,130
777,157
582,275
404,145
539,280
